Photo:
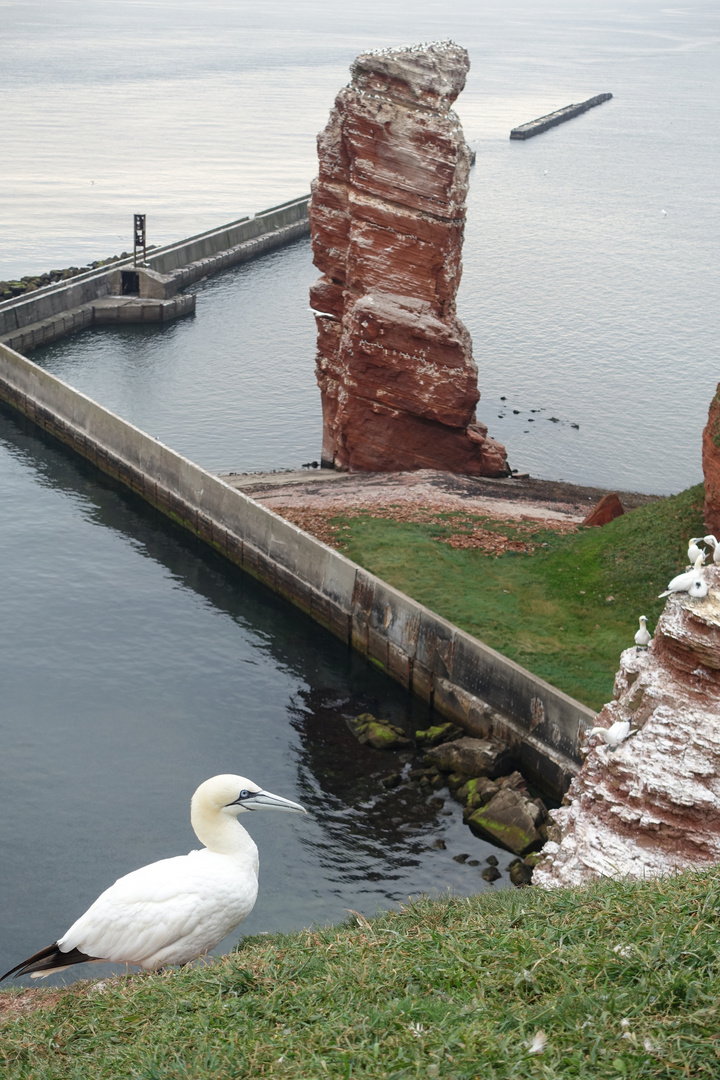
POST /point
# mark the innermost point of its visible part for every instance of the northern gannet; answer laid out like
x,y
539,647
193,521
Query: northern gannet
x,y
694,552
710,539
691,582
177,909
643,637
615,734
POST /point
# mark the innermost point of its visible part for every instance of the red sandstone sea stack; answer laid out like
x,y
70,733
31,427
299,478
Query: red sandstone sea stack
x,y
387,215
711,466
652,806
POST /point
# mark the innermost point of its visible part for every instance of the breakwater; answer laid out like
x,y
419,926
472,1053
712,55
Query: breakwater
x,y
122,292
543,123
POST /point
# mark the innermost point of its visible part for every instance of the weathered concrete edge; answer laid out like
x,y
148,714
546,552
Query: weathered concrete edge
x,y
187,260
456,673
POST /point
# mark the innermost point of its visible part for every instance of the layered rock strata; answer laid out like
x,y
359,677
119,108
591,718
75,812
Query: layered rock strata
x,y
387,215
652,806
711,465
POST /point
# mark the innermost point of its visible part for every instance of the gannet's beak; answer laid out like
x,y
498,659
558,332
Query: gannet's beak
x,y
265,800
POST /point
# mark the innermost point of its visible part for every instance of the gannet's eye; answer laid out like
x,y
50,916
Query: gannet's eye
x,y
244,794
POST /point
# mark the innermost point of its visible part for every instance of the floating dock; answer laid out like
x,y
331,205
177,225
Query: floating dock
x,y
534,127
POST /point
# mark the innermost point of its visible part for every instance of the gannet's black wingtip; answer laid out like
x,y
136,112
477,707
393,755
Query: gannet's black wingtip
x,y
48,959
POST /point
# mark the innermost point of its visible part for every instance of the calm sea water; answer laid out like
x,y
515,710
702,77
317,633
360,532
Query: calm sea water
x,y
135,665
586,302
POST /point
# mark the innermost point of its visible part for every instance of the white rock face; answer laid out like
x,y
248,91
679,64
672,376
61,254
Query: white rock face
x,y
651,806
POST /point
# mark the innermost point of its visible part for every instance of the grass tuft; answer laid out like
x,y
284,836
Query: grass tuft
x,y
622,977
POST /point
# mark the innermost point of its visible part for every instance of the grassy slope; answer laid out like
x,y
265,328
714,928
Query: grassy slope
x,y
548,611
453,988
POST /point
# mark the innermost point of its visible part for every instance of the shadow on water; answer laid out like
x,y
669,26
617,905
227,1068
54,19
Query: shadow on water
x,y
365,846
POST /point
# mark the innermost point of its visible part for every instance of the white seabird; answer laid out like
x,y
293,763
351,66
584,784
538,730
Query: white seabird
x,y
710,539
694,552
643,637
691,582
615,734
177,909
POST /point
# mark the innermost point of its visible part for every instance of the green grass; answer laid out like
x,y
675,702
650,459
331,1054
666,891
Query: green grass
x,y
454,988
548,611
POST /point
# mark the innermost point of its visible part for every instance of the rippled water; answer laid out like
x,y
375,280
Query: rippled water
x,y
135,665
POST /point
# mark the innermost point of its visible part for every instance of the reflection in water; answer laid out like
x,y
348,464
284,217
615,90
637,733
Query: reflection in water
x,y
136,663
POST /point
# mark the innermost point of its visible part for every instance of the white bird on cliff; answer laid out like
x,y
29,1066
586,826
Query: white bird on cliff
x,y
643,637
177,909
615,734
694,552
710,539
691,582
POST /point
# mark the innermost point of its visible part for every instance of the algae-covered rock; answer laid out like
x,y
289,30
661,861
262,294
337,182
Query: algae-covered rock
x,y
376,733
472,757
490,873
520,874
440,733
510,820
476,792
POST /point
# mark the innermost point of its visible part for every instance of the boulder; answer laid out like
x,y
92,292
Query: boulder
x,y
439,733
368,729
397,378
511,820
472,757
605,511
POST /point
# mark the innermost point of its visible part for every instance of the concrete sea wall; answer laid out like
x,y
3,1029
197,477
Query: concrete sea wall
x,y
41,316
463,679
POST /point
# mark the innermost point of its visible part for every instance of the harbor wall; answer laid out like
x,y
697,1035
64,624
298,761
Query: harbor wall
x,y
44,315
460,676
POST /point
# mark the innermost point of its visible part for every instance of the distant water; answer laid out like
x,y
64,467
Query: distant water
x,y
585,301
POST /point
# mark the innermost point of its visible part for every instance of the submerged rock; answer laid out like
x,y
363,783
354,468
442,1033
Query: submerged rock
x,y
472,757
378,734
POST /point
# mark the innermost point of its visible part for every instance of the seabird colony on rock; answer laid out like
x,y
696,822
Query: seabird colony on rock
x,y
174,910
691,582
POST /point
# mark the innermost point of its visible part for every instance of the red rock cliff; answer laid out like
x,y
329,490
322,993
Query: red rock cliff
x,y
653,805
394,364
711,466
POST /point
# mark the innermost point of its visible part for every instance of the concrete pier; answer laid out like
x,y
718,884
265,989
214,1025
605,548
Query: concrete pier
x,y
543,123
102,296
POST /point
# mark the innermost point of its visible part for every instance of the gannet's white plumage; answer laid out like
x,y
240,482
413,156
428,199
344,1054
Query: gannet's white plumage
x,y
694,552
691,582
615,734
175,910
643,637
712,541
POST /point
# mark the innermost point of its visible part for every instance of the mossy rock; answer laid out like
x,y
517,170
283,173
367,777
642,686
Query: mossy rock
x,y
509,820
440,733
378,734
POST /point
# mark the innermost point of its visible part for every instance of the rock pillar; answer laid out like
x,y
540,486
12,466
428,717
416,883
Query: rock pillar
x,y
711,466
387,215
